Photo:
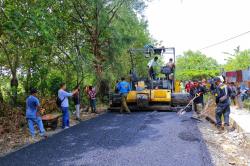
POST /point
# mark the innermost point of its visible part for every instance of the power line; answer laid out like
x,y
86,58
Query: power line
x,y
223,41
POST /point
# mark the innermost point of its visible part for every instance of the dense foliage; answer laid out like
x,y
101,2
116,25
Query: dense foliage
x,y
238,61
43,43
195,65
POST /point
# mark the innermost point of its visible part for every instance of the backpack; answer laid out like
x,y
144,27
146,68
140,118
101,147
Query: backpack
x,y
59,101
166,70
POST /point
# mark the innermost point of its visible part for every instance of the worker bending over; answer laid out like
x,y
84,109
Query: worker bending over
x,y
197,92
124,87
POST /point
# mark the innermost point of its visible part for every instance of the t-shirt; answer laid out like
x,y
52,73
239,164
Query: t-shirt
x,y
197,90
63,95
31,106
188,87
92,94
171,66
123,87
152,63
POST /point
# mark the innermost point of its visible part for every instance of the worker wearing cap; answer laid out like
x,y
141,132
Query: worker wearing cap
x,y
223,103
124,87
197,92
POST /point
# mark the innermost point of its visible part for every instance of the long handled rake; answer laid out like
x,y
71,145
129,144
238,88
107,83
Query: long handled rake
x,y
205,109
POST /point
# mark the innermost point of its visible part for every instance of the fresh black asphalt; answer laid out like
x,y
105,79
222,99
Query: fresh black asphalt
x,y
112,139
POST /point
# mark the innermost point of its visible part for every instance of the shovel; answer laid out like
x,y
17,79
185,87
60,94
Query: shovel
x,y
183,110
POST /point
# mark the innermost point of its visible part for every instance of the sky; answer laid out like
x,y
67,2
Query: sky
x,y
195,24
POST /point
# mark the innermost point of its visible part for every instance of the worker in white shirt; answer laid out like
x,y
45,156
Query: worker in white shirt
x,y
151,68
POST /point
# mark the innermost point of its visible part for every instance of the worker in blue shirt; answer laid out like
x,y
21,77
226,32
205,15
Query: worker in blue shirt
x,y
124,87
32,114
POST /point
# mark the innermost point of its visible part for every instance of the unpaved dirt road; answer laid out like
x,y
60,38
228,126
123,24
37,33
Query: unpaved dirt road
x,y
112,139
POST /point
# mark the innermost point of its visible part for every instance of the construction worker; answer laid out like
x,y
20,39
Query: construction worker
x,y
33,110
76,99
133,78
197,92
124,87
169,72
234,92
223,104
92,99
170,66
182,88
151,65
188,86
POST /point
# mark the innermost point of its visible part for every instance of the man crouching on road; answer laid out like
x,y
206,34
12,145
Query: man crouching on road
x,y
124,87
32,114
223,104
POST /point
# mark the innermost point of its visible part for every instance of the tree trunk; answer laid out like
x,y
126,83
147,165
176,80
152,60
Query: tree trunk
x,y
27,82
1,97
14,86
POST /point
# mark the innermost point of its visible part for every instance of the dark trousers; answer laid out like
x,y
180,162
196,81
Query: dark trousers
x,y
225,111
233,100
170,81
92,103
152,73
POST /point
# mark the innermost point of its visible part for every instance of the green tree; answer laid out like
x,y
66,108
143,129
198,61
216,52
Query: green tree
x,y
238,61
195,65
82,41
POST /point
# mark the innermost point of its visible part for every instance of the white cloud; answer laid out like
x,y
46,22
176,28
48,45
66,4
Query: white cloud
x,y
194,24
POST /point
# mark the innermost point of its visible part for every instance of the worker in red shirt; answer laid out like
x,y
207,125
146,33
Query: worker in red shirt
x,y
188,86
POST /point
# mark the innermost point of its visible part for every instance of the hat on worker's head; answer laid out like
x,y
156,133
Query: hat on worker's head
x,y
217,79
33,90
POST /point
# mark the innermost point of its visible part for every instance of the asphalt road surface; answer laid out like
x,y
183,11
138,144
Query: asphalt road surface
x,y
112,139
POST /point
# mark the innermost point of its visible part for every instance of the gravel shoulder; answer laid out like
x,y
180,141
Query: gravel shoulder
x,y
226,149
11,142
